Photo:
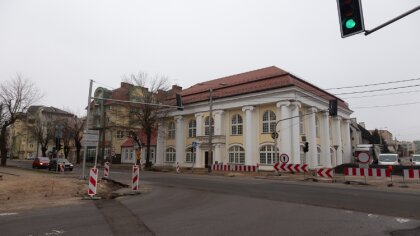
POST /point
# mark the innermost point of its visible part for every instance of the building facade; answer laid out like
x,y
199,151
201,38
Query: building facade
x,y
236,117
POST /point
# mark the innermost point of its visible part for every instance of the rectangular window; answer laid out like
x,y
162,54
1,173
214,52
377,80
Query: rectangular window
x,y
120,134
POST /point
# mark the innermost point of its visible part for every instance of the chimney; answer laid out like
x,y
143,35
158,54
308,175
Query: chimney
x,y
176,89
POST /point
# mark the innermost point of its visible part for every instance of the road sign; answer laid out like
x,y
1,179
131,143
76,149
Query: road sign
x,y
284,158
274,135
325,172
90,138
363,157
294,167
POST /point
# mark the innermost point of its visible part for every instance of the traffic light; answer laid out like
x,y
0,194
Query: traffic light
x,y
333,107
351,17
306,147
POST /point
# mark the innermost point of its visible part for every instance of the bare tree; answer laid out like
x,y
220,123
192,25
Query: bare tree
x,y
149,113
43,132
73,131
16,96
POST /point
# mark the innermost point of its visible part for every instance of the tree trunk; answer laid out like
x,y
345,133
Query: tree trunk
x,y
3,149
78,148
148,140
44,151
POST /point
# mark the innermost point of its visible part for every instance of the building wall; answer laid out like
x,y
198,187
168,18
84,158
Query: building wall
x,y
321,140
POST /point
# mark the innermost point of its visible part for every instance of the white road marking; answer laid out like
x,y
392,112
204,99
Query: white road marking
x,y
8,214
402,220
55,232
373,216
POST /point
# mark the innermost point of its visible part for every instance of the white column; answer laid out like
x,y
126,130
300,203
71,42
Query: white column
x,y
218,153
345,125
198,151
218,126
179,140
285,128
312,153
250,135
325,140
295,158
160,146
337,139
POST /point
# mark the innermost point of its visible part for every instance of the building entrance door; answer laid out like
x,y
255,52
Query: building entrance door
x,y
206,159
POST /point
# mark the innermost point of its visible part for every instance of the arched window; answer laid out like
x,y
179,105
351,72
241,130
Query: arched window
x,y
318,156
192,128
171,130
269,122
189,156
170,155
301,123
207,126
267,155
236,155
237,124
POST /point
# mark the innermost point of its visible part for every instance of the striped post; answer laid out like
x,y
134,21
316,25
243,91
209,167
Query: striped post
x,y
93,181
411,174
135,178
106,169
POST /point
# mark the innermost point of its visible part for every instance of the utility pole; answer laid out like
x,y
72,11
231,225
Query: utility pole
x,y
86,129
209,159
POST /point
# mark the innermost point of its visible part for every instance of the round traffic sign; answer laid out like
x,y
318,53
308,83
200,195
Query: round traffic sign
x,y
363,157
284,158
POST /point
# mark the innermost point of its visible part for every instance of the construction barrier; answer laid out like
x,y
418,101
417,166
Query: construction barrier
x,y
61,167
177,167
411,174
135,178
106,169
325,172
372,172
93,181
142,164
232,167
291,167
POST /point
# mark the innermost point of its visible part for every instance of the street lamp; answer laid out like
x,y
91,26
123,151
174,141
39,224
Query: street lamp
x,y
336,147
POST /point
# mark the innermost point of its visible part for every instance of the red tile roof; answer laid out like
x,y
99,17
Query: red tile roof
x,y
143,139
251,82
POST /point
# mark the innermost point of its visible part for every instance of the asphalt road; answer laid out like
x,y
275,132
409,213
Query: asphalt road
x,y
183,204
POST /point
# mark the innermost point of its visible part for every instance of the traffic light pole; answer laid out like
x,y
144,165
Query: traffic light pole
x,y
367,32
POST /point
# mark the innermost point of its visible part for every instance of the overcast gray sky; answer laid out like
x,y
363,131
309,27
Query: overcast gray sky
x,y
62,44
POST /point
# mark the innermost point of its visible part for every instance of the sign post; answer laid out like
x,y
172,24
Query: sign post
x,y
90,138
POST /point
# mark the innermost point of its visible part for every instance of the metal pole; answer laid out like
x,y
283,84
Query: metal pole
x,y
210,131
367,32
275,149
86,129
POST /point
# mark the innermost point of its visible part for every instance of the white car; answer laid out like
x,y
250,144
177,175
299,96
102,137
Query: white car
x,y
388,159
415,160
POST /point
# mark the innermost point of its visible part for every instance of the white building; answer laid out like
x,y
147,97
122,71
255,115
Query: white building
x,y
246,109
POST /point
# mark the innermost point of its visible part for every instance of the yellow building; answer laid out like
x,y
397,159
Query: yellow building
x,y
246,110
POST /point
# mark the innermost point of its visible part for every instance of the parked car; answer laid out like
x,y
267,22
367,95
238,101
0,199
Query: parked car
x,y
415,160
388,159
67,165
41,162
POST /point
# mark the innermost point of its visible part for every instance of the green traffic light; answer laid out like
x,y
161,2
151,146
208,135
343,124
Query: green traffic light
x,y
350,24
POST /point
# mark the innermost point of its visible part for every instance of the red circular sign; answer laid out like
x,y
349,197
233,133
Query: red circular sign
x,y
363,157
284,158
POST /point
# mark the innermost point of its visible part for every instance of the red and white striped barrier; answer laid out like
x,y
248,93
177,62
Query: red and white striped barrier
x,y
177,167
372,172
61,168
93,181
325,172
239,168
291,167
411,174
106,169
142,164
135,178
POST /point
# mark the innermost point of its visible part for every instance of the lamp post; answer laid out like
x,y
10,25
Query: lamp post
x,y
336,147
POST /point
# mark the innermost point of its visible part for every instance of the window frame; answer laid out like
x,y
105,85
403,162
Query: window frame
x,y
236,155
269,122
236,125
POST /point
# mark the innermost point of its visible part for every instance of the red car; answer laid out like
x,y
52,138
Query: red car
x,y
41,162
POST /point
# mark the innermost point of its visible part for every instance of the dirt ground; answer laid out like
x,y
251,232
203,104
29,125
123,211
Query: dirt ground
x,y
26,189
